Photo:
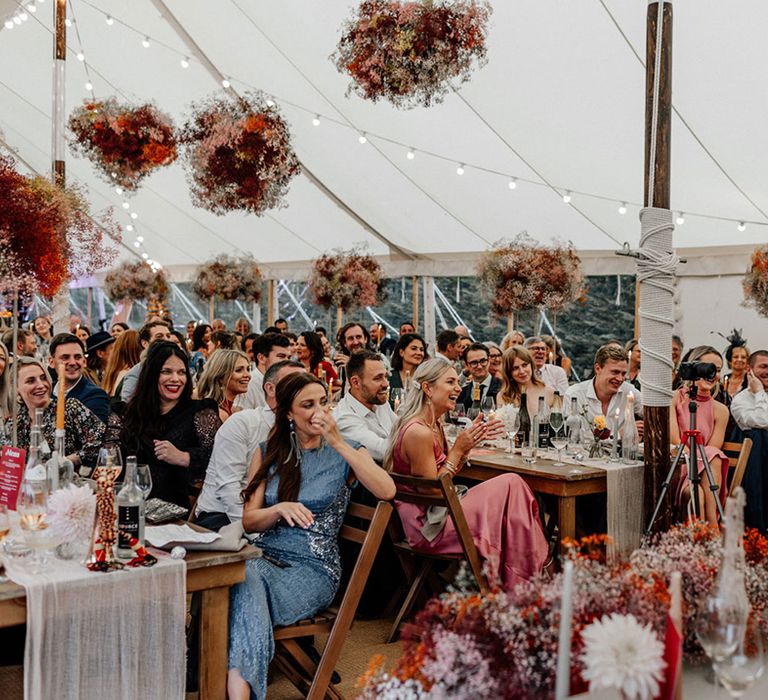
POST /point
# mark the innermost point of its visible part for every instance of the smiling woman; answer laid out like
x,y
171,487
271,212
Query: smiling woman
x,y
225,377
164,427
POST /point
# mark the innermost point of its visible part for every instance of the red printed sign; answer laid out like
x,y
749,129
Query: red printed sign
x,y
12,460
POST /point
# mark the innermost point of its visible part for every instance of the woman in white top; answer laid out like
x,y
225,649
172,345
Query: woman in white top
x,y
518,377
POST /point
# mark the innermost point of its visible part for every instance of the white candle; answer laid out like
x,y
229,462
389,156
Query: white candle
x,y
563,678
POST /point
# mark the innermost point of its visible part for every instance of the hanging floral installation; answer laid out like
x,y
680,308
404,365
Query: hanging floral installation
x,y
408,52
229,278
755,282
136,281
524,274
346,280
504,645
47,234
124,143
238,154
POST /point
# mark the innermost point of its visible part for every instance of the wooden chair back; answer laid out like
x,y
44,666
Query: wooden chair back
x,y
738,456
442,492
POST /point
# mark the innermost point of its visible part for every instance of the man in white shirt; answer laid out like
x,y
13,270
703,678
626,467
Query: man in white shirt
x,y
267,349
149,333
607,391
551,375
364,414
236,441
750,406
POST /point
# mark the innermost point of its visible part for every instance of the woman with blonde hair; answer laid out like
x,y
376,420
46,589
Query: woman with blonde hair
x,y
511,339
502,513
125,354
226,375
518,376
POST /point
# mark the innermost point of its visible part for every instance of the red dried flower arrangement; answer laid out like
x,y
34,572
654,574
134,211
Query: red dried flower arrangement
x,y
238,154
136,281
124,143
346,280
228,278
407,52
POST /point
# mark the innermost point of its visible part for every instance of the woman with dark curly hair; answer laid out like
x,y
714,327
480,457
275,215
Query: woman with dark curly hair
x,y
311,354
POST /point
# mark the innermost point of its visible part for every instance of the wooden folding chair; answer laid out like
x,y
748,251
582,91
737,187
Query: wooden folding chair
x,y
419,565
289,655
738,456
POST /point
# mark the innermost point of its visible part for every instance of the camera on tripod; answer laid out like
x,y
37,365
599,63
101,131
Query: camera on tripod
x,y
693,371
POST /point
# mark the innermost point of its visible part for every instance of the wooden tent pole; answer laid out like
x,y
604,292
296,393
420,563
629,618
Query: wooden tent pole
x,y
656,418
415,315
271,302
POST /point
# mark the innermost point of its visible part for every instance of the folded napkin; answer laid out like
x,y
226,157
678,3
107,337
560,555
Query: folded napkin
x,y
228,539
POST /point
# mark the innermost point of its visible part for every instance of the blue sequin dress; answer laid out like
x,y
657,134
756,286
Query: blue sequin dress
x,y
271,595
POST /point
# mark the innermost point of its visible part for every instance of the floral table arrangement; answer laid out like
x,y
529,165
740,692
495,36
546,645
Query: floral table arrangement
x,y
408,52
136,281
523,274
125,143
238,154
504,645
600,433
755,282
229,278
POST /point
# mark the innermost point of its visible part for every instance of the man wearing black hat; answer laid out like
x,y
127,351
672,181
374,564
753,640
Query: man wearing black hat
x,y
98,348
68,350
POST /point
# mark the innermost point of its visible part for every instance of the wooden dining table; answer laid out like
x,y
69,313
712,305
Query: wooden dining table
x,y
566,483
211,574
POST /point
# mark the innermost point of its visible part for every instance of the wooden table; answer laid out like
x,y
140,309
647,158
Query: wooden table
x,y
565,483
209,573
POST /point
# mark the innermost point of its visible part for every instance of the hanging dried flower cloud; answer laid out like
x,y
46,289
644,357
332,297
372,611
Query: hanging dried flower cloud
x,y
229,278
755,282
136,281
346,279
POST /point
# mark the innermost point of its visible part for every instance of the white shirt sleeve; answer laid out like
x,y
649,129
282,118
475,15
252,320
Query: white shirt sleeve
x,y
750,410
353,427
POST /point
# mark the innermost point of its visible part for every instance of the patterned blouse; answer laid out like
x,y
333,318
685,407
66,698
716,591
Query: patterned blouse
x,y
84,431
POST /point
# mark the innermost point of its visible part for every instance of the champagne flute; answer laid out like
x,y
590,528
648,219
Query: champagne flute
x,y
559,442
719,627
739,671
144,479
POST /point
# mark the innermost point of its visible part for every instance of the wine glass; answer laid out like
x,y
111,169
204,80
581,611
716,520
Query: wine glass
x,y
32,507
559,441
512,423
488,407
528,449
719,627
739,671
144,479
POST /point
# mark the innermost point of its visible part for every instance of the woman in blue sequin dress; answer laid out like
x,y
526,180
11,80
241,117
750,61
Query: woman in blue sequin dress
x,y
296,501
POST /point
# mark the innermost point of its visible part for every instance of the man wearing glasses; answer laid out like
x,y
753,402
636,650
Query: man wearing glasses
x,y
550,374
476,360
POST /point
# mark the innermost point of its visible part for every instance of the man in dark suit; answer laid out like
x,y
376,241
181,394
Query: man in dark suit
x,y
476,361
68,350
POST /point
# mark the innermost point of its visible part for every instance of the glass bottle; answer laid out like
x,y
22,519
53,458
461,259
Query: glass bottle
x,y
541,424
475,408
573,427
130,512
629,438
524,431
61,471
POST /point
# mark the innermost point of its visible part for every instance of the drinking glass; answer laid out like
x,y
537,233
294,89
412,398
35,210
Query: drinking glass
x,y
719,627
144,479
396,396
559,442
556,421
512,423
473,413
488,407
528,450
32,508
461,414
739,671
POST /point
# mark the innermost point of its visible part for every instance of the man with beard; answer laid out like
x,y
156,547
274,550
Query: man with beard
x,y
352,338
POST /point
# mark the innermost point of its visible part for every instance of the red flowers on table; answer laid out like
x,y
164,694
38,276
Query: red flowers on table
x,y
136,281
407,52
524,274
228,278
124,143
755,282
346,280
238,154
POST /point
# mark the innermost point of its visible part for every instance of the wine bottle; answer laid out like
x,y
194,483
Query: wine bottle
x,y
61,470
541,424
573,427
524,432
556,420
36,469
130,512
475,408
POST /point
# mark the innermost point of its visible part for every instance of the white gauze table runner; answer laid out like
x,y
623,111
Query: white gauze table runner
x,y
97,636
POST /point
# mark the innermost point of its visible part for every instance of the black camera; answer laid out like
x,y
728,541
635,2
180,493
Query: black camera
x,y
693,371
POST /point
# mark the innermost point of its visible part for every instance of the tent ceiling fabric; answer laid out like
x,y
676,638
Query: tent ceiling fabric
x,y
561,87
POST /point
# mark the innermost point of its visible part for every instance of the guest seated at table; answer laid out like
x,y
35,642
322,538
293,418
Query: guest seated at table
x,y
236,441
737,357
380,341
448,346
352,338
6,399
150,332
26,343
750,408
632,351
518,376
406,327
125,354
512,338
310,353
43,329
98,350
298,518
712,420
364,415
84,430
118,328
476,359
409,353
164,427
225,377
201,347
83,332
677,354
608,389
494,358
267,349
502,513
550,374
242,326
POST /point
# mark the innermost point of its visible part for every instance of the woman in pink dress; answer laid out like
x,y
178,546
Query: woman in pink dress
x,y
502,513
711,422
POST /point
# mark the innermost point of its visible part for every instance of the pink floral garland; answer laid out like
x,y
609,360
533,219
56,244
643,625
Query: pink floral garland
x,y
228,278
346,280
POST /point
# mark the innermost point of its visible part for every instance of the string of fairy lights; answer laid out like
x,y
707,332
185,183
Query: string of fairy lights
x,y
147,41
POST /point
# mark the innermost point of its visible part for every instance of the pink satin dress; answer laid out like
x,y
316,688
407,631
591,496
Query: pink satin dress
x,y
503,517
705,424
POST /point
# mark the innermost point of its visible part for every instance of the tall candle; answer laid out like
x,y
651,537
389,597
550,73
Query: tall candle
x,y
551,357
62,397
563,678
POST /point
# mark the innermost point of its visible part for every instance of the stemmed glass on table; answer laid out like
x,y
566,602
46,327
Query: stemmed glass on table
x,y
512,423
559,441
144,479
32,507
739,670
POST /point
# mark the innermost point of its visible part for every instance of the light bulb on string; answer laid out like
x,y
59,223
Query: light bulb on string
x,y
118,190
23,16
680,220
411,154
623,208
110,21
89,87
316,120
129,228
184,62
140,239
80,56
16,20
742,226
567,197
9,24
512,184
362,138
126,205
32,8
145,256
136,244
225,83
145,42
134,215
68,22
270,103
460,169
